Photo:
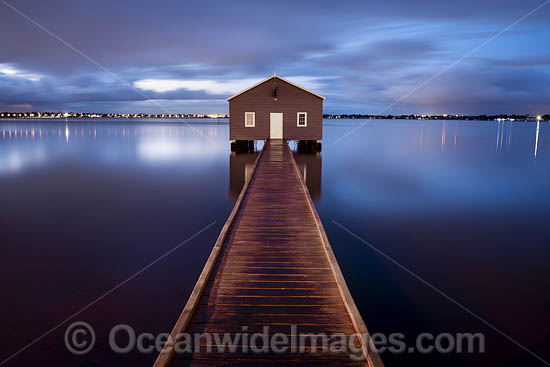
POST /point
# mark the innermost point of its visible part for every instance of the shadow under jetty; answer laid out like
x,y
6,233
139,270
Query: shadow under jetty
x,y
308,146
243,146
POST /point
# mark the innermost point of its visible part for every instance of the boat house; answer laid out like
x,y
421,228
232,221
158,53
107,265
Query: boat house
x,y
275,108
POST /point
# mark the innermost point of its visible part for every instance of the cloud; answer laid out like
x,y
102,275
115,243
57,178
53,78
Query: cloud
x,y
24,106
362,55
11,71
208,86
216,87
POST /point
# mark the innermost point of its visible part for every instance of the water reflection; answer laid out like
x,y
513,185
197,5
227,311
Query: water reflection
x,y
25,145
445,136
537,139
87,203
69,132
469,211
310,165
241,164
444,133
504,136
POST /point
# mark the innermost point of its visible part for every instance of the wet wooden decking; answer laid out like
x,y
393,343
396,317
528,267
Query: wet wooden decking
x,y
271,266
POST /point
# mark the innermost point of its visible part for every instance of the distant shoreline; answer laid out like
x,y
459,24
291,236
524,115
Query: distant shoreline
x,y
95,115
92,115
501,117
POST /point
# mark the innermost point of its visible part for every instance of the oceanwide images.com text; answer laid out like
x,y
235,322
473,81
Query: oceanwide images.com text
x,y
80,339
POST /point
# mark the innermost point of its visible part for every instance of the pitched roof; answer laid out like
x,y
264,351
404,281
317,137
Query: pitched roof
x,y
276,77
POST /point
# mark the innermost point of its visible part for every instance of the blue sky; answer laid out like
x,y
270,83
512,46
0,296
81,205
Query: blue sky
x,y
188,56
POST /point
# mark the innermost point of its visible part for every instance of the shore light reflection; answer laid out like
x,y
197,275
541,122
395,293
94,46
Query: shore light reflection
x,y
537,139
167,149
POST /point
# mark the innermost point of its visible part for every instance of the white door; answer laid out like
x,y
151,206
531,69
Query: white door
x,y
276,125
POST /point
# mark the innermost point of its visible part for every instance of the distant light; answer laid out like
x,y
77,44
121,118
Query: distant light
x,y
539,117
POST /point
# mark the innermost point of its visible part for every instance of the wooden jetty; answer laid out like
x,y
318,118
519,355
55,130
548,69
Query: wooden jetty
x,y
272,265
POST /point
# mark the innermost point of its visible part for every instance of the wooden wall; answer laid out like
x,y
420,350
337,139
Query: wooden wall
x,y
291,100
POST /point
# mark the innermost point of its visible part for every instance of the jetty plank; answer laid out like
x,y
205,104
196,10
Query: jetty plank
x,y
272,266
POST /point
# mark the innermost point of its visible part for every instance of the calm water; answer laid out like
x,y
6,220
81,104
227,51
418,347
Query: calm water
x,y
463,205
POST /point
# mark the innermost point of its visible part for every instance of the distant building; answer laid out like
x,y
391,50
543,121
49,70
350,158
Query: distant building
x,y
276,108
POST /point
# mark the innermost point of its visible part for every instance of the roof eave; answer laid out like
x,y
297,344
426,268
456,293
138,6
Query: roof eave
x,y
271,77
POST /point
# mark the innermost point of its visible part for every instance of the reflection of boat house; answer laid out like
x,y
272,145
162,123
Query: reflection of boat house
x,y
310,166
276,108
240,166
